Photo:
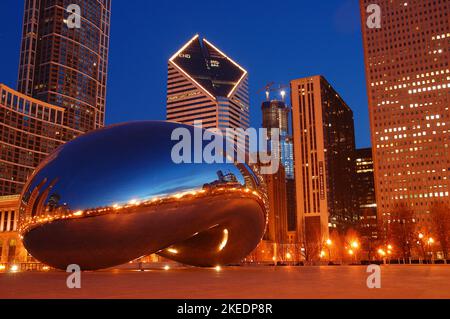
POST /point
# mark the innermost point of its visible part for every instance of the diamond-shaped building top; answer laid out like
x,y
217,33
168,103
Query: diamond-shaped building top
x,y
205,84
211,68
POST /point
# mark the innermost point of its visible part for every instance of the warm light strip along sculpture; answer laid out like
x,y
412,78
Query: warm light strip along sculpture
x,y
114,195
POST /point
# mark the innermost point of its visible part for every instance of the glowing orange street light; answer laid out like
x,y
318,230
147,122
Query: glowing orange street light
x,y
430,241
329,243
355,244
421,236
351,252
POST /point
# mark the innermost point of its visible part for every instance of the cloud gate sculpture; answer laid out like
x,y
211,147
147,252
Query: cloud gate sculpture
x,y
114,195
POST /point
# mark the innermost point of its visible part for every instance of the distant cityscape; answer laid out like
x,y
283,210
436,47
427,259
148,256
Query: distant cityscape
x,y
329,202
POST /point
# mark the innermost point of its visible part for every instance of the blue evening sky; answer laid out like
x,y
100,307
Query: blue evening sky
x,y
276,41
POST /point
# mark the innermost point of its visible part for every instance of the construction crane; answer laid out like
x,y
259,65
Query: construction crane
x,y
271,88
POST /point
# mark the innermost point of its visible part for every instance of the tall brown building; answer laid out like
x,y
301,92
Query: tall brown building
x,y
324,143
67,66
277,229
408,83
62,85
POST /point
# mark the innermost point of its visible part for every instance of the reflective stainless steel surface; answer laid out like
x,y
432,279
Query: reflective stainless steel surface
x,y
114,195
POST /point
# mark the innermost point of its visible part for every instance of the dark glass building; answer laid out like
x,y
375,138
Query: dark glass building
x,y
365,192
276,116
66,66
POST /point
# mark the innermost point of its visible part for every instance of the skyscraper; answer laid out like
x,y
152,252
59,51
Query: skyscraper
x,y
275,115
324,143
408,83
66,66
62,85
365,193
277,230
206,85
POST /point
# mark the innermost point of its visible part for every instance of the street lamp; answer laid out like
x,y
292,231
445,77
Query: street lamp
x,y
329,243
354,249
382,254
420,242
430,242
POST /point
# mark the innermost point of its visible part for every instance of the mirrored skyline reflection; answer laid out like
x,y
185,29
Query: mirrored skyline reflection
x,y
101,168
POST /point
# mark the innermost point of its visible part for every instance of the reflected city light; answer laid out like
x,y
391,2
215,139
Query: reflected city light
x,y
224,240
173,251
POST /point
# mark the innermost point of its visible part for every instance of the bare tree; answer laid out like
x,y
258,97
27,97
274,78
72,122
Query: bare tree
x,y
311,242
401,230
441,226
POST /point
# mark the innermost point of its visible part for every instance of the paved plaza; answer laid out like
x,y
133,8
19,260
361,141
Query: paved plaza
x,y
420,281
